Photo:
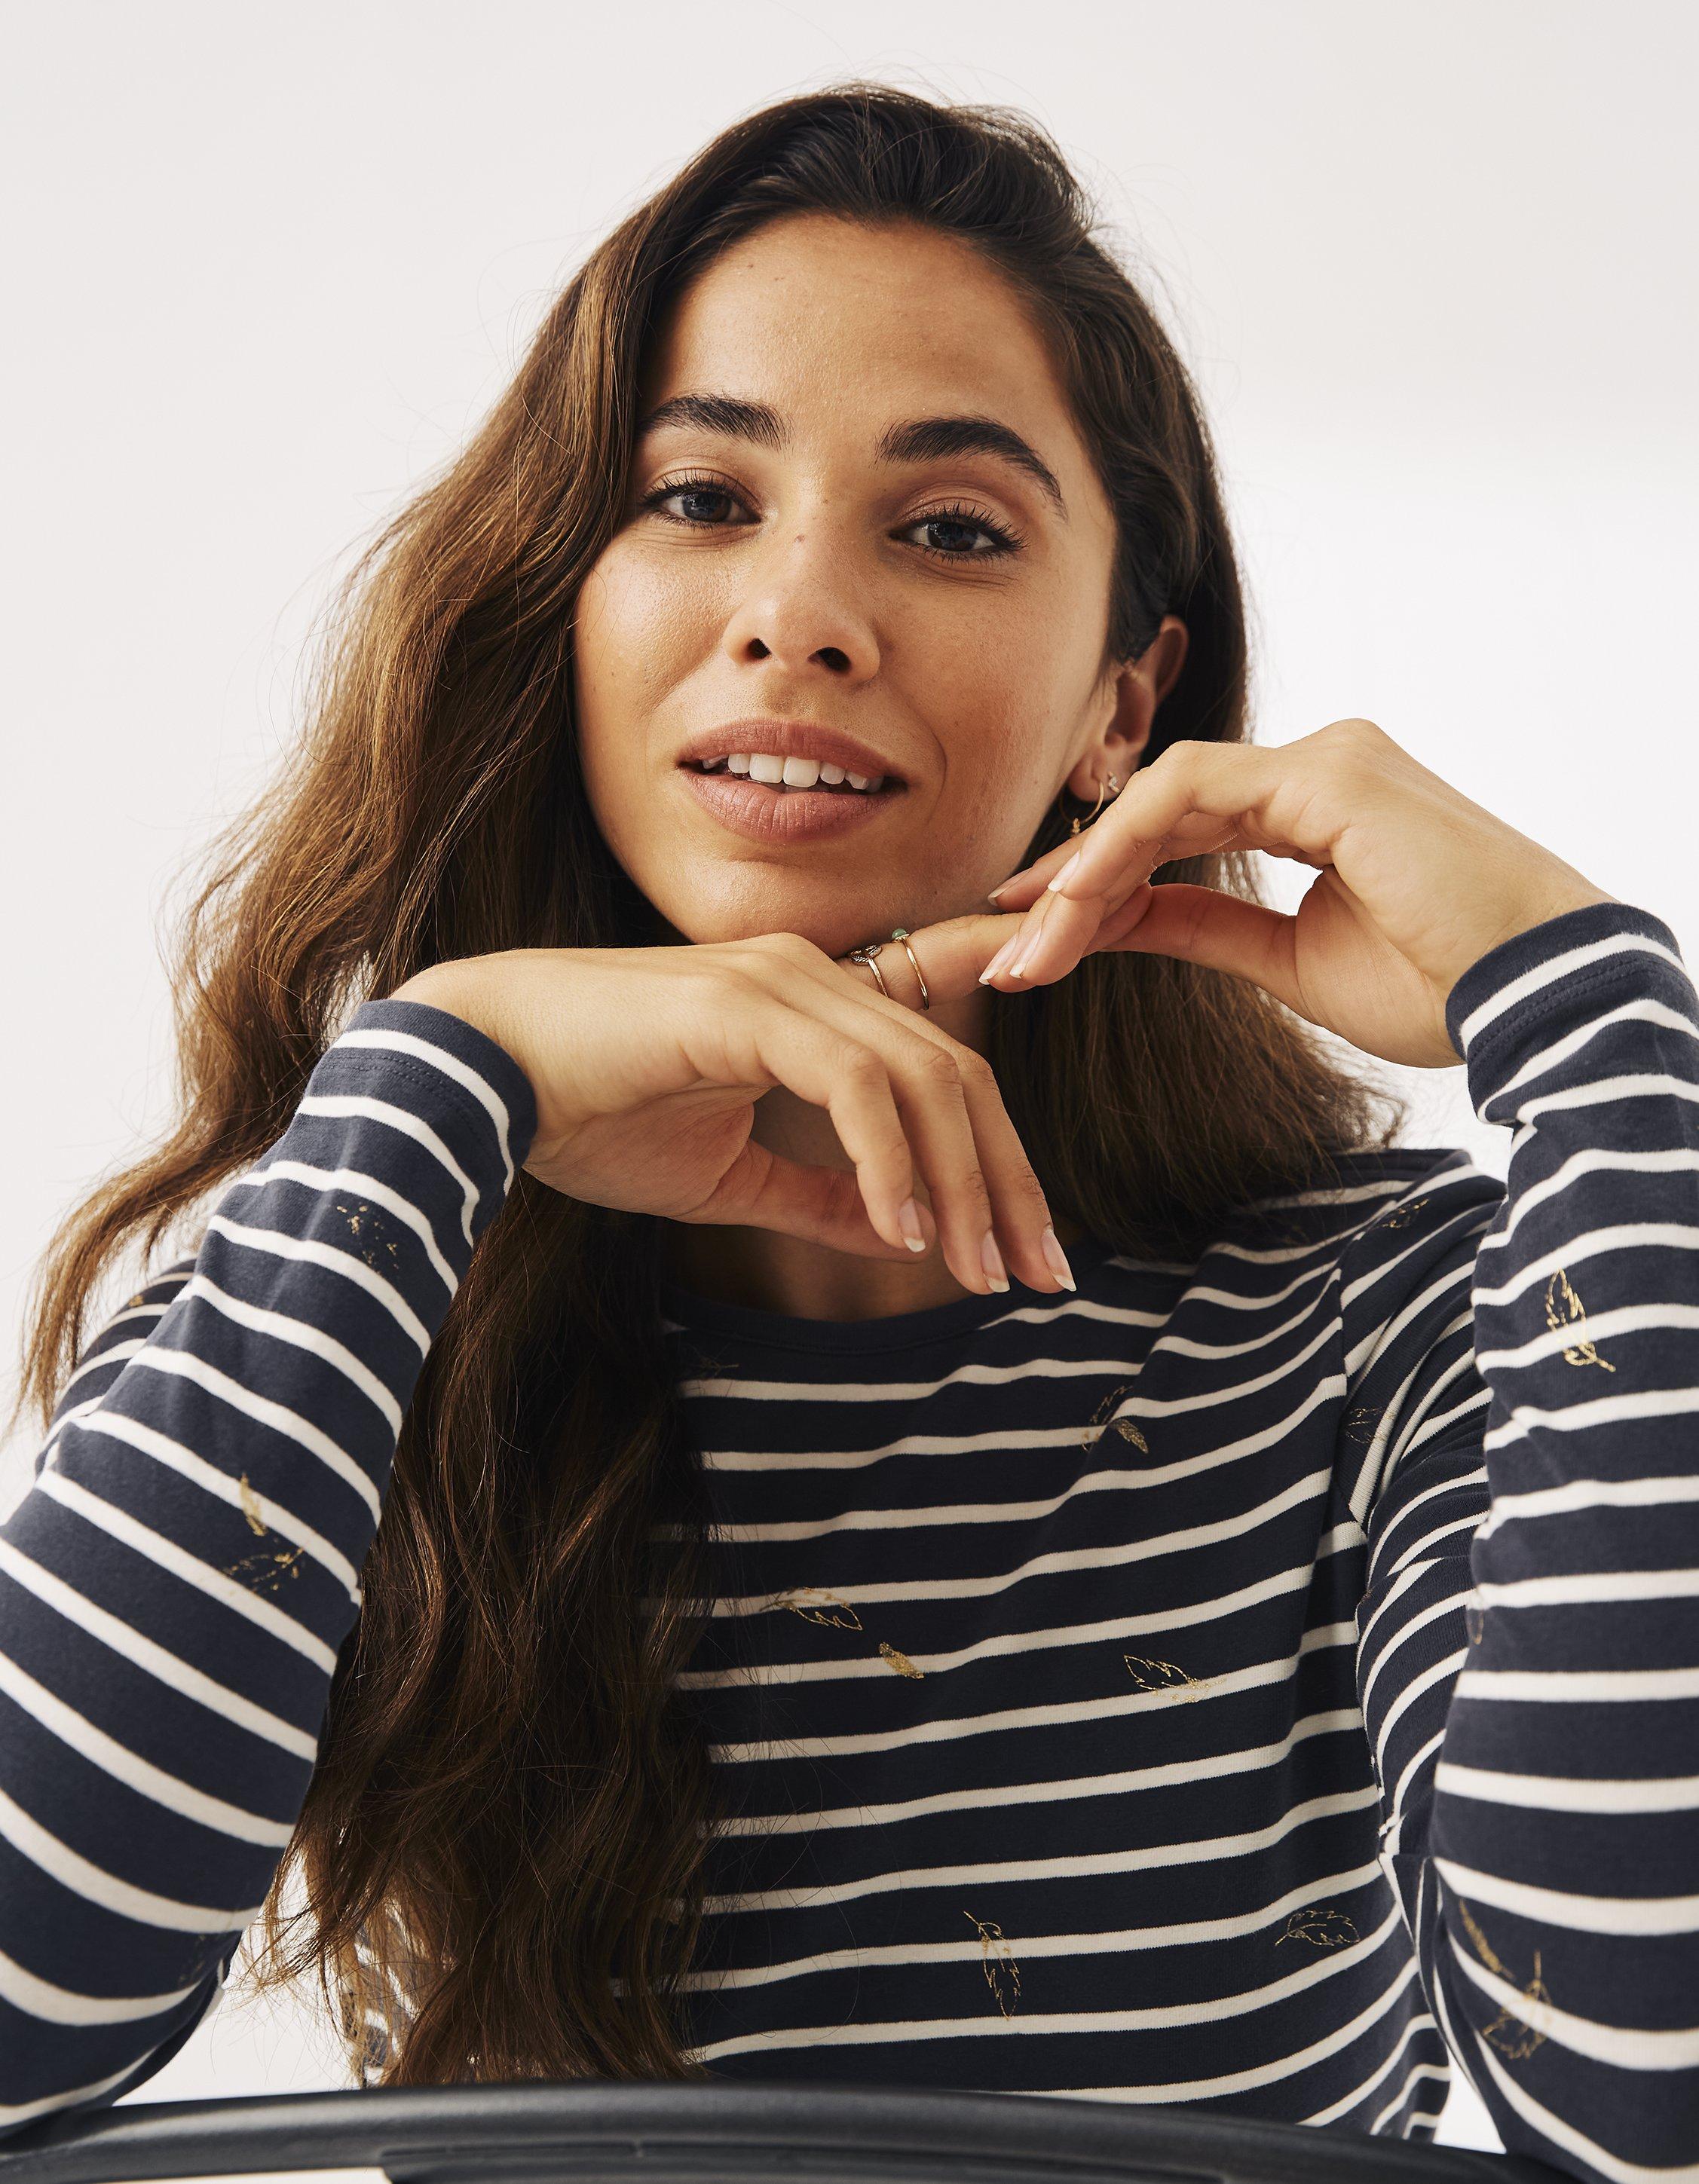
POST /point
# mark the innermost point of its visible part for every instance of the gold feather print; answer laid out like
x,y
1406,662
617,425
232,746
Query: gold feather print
x,y
1583,1352
899,1660
820,1611
1327,1928
1161,1676
996,1959
1508,2033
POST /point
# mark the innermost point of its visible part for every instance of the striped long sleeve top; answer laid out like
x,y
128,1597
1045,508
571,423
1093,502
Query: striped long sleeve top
x,y
1255,1683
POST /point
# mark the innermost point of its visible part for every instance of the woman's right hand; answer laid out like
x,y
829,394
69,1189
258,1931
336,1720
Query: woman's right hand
x,y
647,1063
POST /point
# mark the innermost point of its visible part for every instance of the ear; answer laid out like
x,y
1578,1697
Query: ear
x,y
1139,687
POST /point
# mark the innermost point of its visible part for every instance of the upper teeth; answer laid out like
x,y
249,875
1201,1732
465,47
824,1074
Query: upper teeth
x,y
793,773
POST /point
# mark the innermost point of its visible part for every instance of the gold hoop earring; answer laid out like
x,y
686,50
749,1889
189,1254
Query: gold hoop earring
x,y
1114,785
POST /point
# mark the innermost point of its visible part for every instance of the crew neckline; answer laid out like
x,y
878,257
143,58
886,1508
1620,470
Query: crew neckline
x,y
694,1313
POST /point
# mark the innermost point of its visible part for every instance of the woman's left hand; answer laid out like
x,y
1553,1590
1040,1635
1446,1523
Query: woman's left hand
x,y
1416,883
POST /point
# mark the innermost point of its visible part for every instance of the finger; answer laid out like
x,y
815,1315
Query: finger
x,y
1222,932
764,1190
770,1041
950,954
976,1169
1057,931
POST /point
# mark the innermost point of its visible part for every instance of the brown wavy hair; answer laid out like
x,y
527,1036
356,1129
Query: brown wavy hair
x,y
510,1792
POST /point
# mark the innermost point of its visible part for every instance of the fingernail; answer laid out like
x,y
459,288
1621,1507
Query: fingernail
x,y
995,892
1056,1259
998,960
1054,886
992,1260
908,1221
1019,970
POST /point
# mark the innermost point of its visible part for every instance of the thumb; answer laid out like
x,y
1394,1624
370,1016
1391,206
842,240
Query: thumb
x,y
1203,925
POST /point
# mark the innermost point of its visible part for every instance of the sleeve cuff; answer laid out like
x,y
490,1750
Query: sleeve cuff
x,y
476,1082
1555,976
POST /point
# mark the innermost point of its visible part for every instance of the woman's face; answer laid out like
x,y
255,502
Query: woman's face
x,y
947,609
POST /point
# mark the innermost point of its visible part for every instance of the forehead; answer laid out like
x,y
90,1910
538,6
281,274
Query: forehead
x,y
817,315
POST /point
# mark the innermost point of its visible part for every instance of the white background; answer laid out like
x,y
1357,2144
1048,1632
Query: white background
x,y
1433,264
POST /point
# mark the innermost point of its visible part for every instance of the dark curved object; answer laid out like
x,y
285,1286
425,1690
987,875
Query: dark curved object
x,y
596,2132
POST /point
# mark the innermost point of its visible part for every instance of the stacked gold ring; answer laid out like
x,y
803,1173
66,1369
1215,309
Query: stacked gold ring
x,y
865,954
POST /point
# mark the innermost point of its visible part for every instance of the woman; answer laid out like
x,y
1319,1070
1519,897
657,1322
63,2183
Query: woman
x,y
1233,1668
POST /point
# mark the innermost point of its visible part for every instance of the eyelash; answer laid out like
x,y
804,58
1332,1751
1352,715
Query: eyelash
x,y
1007,541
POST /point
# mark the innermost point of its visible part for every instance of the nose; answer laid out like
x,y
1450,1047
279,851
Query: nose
x,y
798,607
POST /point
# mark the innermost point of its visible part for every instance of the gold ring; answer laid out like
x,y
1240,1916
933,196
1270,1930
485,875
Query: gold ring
x,y
865,955
902,933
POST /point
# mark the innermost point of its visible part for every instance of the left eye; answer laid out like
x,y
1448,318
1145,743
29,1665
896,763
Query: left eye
x,y
956,516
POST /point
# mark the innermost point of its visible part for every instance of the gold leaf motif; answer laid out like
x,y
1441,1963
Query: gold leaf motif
x,y
1161,1676
363,1221
1327,1928
273,1567
1101,1423
820,1613
1402,1216
250,1506
899,1660
997,1959
1359,1424
1474,1621
1583,1352
1509,2034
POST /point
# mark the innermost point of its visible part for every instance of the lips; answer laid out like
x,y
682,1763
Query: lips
x,y
764,813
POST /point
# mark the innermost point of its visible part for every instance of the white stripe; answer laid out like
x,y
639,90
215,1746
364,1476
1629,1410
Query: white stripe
x,y
210,1481
115,1759
301,1334
1090,1865
1260,2074
1159,2017
1003,1644
1055,1714
309,1253
59,2005
972,1444
169,1669
1577,1495
1118,1555
96,1885
168,1556
1577,1588
1207,1769
1580,1914
1186,1934
1553,1685
1525,1419
451,1065
185,1365
1565,1793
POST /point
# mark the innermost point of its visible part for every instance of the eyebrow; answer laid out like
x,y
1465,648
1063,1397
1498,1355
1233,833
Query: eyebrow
x,y
918,440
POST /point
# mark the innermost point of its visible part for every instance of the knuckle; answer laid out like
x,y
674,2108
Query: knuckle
x,y
787,947
938,1064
